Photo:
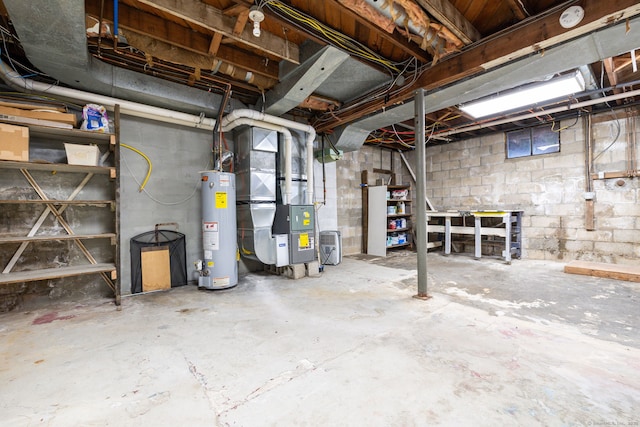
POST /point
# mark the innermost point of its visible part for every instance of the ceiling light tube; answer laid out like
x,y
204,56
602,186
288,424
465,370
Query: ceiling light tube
x,y
529,95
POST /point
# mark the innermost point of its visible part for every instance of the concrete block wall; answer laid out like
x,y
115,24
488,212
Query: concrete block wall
x,y
173,191
550,189
349,170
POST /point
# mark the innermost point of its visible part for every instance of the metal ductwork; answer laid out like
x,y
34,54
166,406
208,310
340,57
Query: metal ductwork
x,y
256,145
53,36
594,47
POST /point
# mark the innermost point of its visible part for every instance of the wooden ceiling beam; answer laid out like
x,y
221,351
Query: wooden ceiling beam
x,y
518,9
167,52
213,19
215,44
235,9
241,22
526,39
612,75
446,13
394,38
169,32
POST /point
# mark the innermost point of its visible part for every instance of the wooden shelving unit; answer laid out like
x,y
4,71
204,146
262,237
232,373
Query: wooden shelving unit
x,y
42,207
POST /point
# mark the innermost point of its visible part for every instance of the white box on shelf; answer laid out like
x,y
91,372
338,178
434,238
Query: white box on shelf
x,y
86,155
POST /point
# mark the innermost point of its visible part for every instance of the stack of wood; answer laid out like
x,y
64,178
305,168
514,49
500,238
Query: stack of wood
x,y
19,112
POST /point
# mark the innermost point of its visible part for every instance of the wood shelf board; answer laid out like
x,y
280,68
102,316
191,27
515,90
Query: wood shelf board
x,y
630,273
44,238
54,273
58,167
74,136
396,230
58,202
404,215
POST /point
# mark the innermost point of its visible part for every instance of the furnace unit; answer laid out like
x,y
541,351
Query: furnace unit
x,y
297,221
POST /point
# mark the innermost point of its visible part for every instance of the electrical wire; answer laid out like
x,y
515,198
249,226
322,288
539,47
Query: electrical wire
x,y
149,195
615,139
338,39
553,125
11,60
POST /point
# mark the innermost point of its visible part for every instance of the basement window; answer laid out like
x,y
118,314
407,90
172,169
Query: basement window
x,y
532,142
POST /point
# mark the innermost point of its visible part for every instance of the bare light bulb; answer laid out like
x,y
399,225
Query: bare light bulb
x,y
256,16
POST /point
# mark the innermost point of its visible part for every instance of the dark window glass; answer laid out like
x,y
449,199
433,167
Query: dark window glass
x,y
532,142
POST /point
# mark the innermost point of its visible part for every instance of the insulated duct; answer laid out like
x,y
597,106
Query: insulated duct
x,y
14,80
407,14
53,36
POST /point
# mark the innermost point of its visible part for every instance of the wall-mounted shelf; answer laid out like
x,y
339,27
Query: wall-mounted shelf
x,y
97,203
55,273
58,167
48,238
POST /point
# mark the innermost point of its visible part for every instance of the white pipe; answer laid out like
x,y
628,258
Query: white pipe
x,y
288,139
267,118
126,107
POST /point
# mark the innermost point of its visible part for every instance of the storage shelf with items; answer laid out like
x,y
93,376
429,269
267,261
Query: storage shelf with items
x,y
398,216
59,203
389,218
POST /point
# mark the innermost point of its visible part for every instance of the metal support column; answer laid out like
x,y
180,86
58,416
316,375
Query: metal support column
x,y
421,195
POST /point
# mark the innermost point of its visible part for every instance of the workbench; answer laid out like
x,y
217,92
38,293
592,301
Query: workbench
x,y
483,226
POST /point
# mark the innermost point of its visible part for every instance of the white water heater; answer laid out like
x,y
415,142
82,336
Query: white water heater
x,y
219,267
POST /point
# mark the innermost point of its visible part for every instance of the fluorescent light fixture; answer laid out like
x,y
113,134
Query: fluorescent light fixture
x,y
529,95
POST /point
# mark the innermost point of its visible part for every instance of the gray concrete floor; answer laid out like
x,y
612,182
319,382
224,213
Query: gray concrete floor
x,y
521,344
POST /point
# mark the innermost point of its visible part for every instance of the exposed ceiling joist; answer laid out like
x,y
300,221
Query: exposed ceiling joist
x,y
450,17
518,9
170,32
214,46
235,9
530,38
394,38
609,67
176,55
241,22
214,20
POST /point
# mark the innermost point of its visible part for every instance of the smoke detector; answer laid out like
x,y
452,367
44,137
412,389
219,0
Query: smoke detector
x,y
256,16
571,16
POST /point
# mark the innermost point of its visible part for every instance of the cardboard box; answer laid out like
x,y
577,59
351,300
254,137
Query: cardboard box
x,y
14,142
86,155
